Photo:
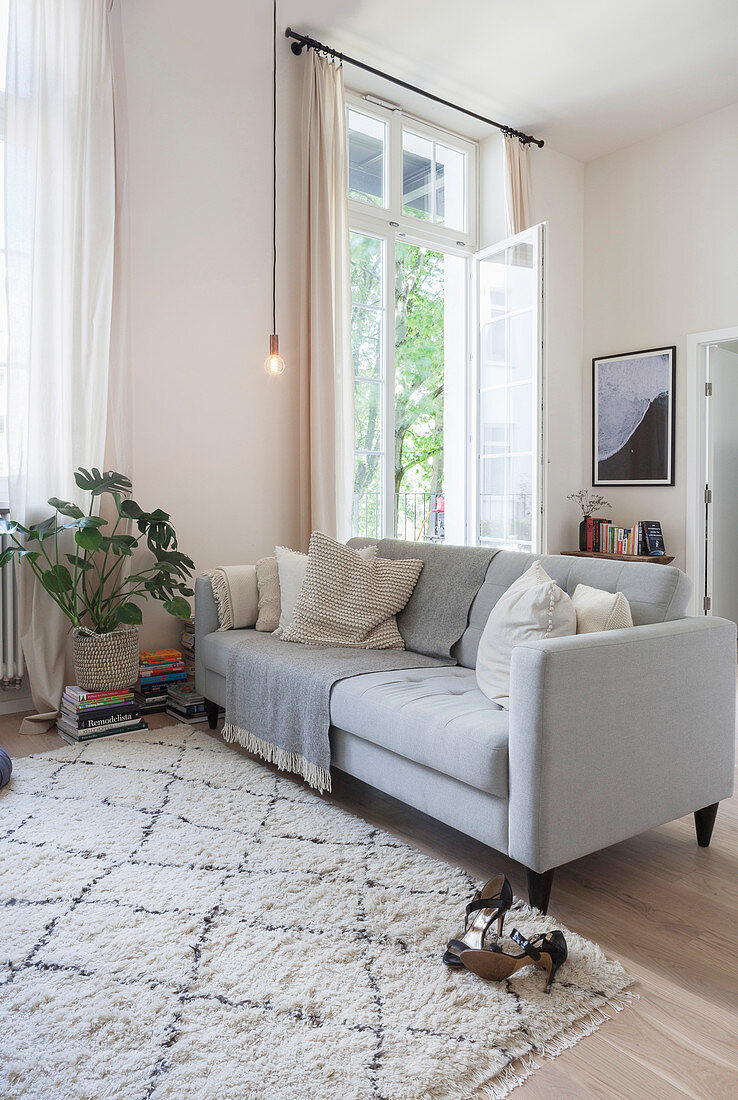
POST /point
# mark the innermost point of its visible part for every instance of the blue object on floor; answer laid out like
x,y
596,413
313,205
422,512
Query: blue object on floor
x,y
6,767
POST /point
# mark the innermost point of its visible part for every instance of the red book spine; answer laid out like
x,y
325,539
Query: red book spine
x,y
590,533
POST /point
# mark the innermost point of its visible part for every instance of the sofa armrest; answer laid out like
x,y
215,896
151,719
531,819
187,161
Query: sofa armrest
x,y
617,732
206,622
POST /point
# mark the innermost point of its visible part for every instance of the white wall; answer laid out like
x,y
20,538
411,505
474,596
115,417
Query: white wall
x,y
661,234
215,439
558,200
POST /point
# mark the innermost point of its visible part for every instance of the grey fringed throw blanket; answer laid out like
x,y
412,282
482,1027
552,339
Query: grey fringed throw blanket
x,y
278,693
278,698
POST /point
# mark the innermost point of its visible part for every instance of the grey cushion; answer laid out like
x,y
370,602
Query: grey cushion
x,y
656,593
215,649
437,613
436,717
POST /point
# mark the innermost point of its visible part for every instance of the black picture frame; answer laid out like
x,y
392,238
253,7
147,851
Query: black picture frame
x,y
634,418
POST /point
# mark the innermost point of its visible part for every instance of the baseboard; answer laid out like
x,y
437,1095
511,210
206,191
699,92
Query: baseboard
x,y
13,702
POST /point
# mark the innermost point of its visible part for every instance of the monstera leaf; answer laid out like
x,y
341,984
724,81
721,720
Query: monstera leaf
x,y
92,481
66,508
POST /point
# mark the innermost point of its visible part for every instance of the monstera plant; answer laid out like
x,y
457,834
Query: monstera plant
x,y
93,585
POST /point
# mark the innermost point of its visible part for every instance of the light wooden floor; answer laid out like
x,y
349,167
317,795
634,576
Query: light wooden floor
x,y
667,909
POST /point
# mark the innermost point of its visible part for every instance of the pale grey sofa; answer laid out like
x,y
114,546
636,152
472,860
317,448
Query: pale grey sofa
x,y
607,734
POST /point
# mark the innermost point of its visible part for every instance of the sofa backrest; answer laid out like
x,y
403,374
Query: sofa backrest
x,y
656,593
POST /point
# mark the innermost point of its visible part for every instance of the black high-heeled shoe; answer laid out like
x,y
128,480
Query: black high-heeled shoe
x,y
488,904
548,951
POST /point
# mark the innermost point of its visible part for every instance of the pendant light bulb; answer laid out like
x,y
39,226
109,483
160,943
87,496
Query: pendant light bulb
x,y
274,363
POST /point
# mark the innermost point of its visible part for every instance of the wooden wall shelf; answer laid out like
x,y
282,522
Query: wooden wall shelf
x,y
665,560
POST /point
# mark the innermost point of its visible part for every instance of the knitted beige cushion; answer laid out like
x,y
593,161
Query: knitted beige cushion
x,y
599,610
350,601
267,578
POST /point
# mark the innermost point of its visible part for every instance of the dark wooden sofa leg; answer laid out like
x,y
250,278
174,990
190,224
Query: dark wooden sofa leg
x,y
539,888
211,709
704,822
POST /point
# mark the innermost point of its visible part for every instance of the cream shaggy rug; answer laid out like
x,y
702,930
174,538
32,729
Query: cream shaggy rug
x,y
179,921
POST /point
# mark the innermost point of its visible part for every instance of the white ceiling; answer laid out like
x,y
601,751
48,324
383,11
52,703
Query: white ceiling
x,y
588,76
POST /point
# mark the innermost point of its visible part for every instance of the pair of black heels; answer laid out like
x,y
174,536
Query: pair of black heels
x,y
490,904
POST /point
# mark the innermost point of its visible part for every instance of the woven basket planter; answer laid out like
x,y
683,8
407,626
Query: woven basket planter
x,y
106,662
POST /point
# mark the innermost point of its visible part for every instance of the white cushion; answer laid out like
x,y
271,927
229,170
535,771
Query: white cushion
x,y
532,608
599,610
292,567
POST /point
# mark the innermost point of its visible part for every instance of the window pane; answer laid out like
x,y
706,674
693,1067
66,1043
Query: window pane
x,y
366,270
493,421
3,405
433,181
522,413
367,517
367,416
520,522
450,170
417,176
366,341
3,312
367,141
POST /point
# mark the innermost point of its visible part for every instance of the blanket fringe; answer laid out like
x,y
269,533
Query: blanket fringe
x,y
317,777
222,595
517,1073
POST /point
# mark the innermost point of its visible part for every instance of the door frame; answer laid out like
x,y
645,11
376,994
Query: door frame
x,y
697,458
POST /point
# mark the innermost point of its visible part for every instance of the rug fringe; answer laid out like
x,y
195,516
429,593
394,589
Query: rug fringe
x,y
318,778
222,595
517,1074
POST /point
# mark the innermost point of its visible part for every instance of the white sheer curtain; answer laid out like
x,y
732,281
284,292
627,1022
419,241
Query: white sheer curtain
x,y
518,186
326,374
60,180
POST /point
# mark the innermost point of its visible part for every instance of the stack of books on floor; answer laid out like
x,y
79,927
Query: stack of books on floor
x,y
157,670
188,650
185,704
87,715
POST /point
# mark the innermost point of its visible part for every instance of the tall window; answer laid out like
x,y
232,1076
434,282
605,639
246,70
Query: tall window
x,y
3,298
509,468
412,237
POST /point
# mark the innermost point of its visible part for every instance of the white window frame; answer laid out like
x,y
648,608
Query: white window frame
x,y
537,234
4,486
389,224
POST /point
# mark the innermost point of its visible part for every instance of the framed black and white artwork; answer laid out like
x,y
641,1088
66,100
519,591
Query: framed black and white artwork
x,y
633,418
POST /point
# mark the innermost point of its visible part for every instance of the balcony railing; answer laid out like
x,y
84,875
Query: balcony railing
x,y
419,517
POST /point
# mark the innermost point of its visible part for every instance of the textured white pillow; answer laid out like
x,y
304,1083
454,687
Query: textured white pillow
x,y
292,566
347,600
534,607
600,610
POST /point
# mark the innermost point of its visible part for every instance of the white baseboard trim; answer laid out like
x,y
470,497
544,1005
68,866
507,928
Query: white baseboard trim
x,y
12,702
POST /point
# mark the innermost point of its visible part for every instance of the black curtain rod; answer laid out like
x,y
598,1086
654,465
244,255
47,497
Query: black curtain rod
x,y
303,41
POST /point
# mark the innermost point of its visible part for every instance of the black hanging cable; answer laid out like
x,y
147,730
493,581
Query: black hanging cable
x,y
305,41
274,171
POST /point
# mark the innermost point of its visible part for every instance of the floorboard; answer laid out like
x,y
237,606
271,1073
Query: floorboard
x,y
667,909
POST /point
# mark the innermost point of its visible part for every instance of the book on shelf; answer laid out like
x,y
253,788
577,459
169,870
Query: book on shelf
x,y
640,539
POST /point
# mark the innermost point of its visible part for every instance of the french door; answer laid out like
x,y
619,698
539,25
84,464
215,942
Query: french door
x,y
507,489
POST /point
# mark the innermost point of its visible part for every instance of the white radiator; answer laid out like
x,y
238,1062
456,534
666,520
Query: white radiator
x,y
11,656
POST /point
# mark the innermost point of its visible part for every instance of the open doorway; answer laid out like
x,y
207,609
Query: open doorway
x,y
713,464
